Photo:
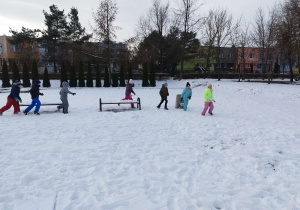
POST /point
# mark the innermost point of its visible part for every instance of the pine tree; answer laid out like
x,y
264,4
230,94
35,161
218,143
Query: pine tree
x,y
16,75
73,77
145,75
46,81
122,77
63,74
81,82
115,80
89,76
129,73
106,78
26,80
34,71
98,78
152,75
5,76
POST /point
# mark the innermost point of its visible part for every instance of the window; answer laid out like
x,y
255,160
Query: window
x,y
249,66
32,49
225,65
0,48
221,55
259,66
230,55
13,48
251,55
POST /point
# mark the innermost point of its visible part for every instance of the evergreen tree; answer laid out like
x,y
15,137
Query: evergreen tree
x,y
81,82
122,77
26,80
63,74
73,77
5,76
145,75
115,80
34,71
98,78
106,78
16,75
89,76
46,81
129,73
152,75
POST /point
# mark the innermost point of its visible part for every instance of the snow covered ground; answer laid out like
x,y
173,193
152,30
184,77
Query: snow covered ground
x,y
245,156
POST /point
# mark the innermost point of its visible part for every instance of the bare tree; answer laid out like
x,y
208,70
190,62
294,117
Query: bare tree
x,y
286,33
223,24
189,21
104,29
264,37
155,23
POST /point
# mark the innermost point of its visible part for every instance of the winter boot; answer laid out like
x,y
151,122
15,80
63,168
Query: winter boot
x,y
58,108
36,113
166,108
158,107
1,113
210,113
25,112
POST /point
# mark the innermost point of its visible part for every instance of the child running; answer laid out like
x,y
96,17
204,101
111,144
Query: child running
x,y
164,93
13,98
208,100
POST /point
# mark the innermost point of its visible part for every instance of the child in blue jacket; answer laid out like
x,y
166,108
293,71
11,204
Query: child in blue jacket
x,y
186,95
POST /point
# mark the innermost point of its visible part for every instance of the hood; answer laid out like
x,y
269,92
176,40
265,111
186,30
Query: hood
x,y
65,84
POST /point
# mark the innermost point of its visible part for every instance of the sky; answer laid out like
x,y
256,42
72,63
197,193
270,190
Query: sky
x,y
17,13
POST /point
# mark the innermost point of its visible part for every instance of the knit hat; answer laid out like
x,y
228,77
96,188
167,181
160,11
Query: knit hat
x,y
18,83
130,81
165,84
37,82
188,84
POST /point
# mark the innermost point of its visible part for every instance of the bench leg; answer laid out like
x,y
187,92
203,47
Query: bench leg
x,y
100,105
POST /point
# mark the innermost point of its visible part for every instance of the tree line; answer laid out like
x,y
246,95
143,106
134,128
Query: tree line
x,y
165,38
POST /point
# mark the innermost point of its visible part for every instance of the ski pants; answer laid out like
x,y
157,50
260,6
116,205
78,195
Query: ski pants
x,y
11,102
207,105
162,100
186,102
35,102
128,98
65,105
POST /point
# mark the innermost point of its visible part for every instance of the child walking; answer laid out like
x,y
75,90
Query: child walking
x,y
128,92
186,95
35,93
13,98
208,100
64,97
164,93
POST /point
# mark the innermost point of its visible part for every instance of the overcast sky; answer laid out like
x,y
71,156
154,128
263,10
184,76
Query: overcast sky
x,y
28,13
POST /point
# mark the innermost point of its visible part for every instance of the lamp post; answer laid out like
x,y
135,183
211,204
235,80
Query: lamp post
x,y
1,52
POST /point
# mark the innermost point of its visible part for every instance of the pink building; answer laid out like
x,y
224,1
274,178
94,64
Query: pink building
x,y
248,56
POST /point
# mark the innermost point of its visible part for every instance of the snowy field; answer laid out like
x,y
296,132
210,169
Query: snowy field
x,y
245,156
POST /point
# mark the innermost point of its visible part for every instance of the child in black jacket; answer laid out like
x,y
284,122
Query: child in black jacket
x,y
35,93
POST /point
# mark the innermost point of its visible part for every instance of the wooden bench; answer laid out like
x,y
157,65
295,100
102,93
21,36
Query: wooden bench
x,y
138,103
56,104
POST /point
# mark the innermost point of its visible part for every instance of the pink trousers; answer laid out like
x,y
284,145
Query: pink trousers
x,y
207,105
128,98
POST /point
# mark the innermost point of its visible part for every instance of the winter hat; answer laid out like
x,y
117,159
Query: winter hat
x,y
208,85
18,83
165,84
37,82
131,81
188,84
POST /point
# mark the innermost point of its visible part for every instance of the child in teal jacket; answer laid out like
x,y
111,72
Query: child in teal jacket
x,y
186,95
208,100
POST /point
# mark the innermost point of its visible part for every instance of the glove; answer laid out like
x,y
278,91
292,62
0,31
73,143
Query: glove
x,y
41,94
18,100
133,93
190,97
181,99
73,94
211,99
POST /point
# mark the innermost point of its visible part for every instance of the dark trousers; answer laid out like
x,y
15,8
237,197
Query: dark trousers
x,y
162,100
